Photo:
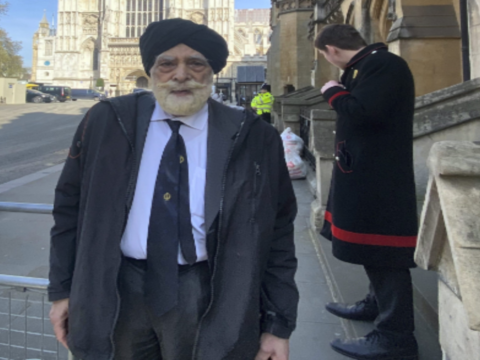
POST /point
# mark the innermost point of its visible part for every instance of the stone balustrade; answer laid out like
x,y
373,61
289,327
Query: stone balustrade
x,y
449,243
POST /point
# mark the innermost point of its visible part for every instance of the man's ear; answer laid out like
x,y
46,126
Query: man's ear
x,y
331,50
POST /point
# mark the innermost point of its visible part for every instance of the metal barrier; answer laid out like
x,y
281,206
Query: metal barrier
x,y
25,329
26,207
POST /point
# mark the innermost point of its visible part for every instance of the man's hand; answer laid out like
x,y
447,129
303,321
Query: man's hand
x,y
272,348
330,84
59,319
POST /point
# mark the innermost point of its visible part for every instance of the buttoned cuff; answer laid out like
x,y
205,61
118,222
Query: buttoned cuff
x,y
334,93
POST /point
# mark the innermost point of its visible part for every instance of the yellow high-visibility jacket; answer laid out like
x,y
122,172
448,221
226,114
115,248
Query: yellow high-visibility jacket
x,y
263,103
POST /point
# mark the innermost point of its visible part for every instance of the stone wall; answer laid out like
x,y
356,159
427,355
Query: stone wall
x,y
474,13
291,54
448,114
435,63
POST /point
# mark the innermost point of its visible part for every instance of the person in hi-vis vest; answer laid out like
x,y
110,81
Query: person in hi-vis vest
x,y
262,104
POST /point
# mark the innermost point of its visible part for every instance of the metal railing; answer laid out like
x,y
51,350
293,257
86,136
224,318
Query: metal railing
x,y
25,329
26,207
305,125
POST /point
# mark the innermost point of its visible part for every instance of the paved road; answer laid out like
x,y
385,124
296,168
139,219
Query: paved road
x,y
36,136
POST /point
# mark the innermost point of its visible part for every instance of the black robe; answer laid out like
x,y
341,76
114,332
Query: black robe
x,y
371,214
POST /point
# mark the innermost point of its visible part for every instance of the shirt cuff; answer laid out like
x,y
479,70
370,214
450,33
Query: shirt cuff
x,y
333,93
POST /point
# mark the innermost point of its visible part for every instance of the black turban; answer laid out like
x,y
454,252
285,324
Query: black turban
x,y
163,35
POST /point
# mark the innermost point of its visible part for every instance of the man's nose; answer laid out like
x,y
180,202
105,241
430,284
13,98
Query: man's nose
x,y
181,73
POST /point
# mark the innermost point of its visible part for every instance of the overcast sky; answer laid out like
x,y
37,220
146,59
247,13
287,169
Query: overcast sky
x,y
24,16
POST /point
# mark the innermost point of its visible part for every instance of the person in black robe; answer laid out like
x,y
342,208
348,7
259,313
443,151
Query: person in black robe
x,y
371,216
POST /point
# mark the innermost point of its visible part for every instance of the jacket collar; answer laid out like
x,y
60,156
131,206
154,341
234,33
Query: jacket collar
x,y
223,125
365,52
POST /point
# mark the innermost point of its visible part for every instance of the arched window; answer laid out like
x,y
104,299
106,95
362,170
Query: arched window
x,y
142,82
140,13
48,48
258,37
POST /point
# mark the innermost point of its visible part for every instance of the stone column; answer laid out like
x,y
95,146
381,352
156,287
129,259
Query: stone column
x,y
428,38
322,138
474,14
295,50
329,12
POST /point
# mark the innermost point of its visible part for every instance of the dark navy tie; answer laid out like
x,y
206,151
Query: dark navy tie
x,y
170,226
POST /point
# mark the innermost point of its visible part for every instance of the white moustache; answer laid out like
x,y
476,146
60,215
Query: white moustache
x,y
174,86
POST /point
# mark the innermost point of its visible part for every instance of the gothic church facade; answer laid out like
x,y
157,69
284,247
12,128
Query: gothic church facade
x,y
99,39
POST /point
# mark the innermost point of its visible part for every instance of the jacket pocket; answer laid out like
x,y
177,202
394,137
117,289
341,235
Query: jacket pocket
x,y
344,158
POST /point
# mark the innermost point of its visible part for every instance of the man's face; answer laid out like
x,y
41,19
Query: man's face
x,y
263,91
334,56
182,80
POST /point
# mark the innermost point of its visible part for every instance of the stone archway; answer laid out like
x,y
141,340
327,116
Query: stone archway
x,y
142,82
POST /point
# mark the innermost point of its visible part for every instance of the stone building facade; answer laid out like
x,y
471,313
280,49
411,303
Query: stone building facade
x,y
99,39
426,33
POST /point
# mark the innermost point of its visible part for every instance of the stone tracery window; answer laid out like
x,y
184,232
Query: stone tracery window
x,y
48,47
140,13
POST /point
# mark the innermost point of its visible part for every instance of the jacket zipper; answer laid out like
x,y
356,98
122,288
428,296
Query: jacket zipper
x,y
220,223
258,173
117,310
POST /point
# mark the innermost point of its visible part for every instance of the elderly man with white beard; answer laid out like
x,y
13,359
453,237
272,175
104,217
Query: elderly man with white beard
x,y
173,235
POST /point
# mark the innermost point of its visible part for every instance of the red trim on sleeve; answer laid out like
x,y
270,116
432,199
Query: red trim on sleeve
x,y
337,95
370,239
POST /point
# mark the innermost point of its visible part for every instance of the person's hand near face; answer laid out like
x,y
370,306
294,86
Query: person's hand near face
x,y
330,84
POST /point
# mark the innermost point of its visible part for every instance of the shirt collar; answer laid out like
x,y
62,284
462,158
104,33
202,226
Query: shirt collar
x,y
196,121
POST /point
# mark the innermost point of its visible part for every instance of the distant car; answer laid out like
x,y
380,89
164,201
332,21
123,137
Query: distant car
x,y
87,94
38,97
62,93
140,90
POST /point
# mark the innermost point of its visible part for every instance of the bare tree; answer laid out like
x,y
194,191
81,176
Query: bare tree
x,y
11,63
3,7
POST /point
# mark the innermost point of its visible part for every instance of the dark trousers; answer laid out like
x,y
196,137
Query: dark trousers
x,y
140,335
267,117
392,290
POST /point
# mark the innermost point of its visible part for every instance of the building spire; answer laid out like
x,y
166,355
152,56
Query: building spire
x,y
44,22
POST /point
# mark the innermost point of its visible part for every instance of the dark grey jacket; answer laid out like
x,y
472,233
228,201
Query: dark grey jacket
x,y
249,212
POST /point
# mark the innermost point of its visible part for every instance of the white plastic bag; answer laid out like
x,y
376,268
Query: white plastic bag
x,y
293,146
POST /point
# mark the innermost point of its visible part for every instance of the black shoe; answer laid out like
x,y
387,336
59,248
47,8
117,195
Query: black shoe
x,y
364,310
378,346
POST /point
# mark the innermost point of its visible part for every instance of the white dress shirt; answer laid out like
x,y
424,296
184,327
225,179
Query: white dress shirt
x,y
194,132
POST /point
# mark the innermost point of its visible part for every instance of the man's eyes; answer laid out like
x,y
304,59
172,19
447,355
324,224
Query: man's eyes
x,y
198,63
166,64
195,64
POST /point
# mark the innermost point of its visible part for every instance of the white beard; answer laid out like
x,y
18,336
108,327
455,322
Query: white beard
x,y
182,105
